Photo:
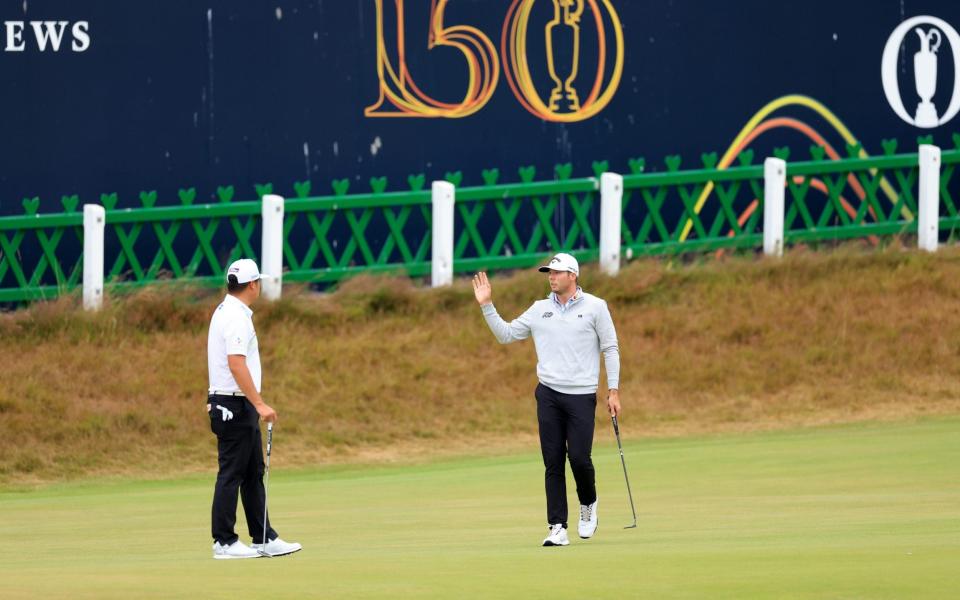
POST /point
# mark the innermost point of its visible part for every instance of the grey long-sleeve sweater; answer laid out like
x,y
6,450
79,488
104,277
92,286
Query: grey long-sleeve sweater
x,y
569,341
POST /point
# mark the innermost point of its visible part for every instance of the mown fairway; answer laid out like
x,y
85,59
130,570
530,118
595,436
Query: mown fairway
x,y
868,511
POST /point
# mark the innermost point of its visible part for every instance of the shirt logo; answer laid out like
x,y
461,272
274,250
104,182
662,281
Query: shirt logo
x,y
579,316
547,315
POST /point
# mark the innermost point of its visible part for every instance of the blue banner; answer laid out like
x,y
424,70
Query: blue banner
x,y
120,96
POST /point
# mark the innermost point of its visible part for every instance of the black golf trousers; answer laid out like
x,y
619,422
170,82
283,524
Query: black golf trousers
x,y
566,429
240,455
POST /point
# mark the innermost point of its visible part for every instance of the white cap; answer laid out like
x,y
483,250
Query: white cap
x,y
246,271
562,262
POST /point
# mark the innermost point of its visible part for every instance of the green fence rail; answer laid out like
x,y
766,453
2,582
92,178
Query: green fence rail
x,y
498,225
504,226
46,275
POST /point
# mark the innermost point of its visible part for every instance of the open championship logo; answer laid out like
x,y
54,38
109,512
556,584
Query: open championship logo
x,y
931,32
567,102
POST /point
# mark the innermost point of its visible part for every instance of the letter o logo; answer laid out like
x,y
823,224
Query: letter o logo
x,y
924,68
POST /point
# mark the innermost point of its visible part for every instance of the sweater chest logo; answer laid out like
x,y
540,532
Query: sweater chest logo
x,y
547,315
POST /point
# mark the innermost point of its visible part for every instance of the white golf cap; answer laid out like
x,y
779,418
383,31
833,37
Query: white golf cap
x,y
246,271
562,262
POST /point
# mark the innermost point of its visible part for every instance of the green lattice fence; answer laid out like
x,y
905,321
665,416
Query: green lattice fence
x,y
854,197
332,237
41,256
497,225
502,226
184,241
326,238
950,188
660,210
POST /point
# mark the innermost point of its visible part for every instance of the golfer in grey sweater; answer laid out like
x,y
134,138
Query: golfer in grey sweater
x,y
570,329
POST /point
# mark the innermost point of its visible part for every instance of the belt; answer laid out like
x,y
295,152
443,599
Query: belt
x,y
219,393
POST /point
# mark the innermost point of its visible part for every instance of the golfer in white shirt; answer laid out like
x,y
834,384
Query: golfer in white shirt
x,y
235,408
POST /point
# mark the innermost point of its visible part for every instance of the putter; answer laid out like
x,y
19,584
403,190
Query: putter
x,y
616,430
266,484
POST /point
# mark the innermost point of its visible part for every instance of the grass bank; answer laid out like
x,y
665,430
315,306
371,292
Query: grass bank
x,y
381,370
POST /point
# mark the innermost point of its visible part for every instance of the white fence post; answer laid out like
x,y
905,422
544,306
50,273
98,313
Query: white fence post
x,y
94,223
928,221
443,196
774,182
271,246
611,215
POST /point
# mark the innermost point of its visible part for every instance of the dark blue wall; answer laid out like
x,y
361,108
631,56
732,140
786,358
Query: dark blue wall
x,y
166,97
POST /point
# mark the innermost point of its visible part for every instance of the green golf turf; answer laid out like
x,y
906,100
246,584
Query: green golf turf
x,y
870,511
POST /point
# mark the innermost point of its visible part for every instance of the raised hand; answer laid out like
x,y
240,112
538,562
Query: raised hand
x,y
481,289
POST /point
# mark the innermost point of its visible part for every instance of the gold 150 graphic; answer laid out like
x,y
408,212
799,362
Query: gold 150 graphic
x,y
400,96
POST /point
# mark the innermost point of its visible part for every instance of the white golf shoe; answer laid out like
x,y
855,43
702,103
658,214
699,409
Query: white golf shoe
x,y
557,537
277,547
588,520
235,550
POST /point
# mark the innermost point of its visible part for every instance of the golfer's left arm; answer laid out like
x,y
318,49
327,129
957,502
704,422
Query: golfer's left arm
x,y
607,335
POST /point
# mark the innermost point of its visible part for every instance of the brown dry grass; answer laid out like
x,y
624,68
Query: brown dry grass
x,y
383,370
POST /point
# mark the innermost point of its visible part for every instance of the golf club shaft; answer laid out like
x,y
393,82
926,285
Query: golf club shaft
x,y
616,430
266,483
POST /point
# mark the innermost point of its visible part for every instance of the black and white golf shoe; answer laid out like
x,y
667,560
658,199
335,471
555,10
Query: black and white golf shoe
x,y
557,537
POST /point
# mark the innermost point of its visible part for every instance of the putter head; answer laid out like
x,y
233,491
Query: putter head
x,y
634,526
264,554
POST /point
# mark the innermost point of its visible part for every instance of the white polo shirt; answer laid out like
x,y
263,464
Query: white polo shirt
x,y
231,332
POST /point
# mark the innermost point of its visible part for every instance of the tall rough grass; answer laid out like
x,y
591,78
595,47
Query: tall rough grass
x,y
383,369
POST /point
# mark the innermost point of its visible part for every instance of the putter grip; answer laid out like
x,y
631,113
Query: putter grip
x,y
616,428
